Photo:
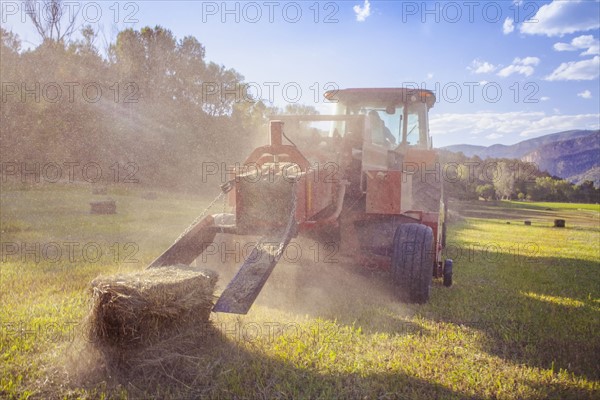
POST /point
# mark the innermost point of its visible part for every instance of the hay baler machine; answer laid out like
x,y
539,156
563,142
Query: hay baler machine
x,y
364,179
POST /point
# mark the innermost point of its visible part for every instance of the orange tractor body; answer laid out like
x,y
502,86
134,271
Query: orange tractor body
x,y
365,179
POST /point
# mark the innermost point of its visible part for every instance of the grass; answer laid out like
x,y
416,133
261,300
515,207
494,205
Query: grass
x,y
521,320
554,206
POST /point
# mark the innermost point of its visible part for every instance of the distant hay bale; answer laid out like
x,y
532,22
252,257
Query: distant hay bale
x,y
142,308
103,207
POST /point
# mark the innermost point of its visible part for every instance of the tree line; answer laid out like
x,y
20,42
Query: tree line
x,y
470,178
151,100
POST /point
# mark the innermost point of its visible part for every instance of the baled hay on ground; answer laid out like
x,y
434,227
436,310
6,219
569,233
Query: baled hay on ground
x,y
142,308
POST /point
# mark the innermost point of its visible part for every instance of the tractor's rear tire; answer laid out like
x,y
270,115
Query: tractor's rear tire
x,y
412,261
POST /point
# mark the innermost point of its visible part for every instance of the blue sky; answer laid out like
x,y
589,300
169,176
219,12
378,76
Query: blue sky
x,y
502,71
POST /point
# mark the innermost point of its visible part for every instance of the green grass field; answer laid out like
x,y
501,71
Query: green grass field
x,y
521,320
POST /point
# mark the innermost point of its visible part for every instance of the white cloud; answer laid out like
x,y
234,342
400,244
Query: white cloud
x,y
587,42
508,26
493,136
523,123
558,123
516,69
563,17
523,66
544,98
527,61
481,67
430,75
362,12
576,70
586,94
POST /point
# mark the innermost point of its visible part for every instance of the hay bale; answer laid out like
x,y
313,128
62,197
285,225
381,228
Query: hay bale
x,y
103,207
149,329
143,308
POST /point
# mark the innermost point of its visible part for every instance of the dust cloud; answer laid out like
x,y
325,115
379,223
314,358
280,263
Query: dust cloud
x,y
313,280
313,286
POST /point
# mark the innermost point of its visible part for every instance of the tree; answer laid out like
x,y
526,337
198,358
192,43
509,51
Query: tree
x,y
587,193
299,109
11,109
10,59
504,181
543,189
486,191
564,190
191,70
86,45
221,89
48,18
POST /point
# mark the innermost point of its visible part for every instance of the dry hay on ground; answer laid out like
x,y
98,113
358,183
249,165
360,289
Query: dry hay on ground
x,y
143,308
147,331
148,327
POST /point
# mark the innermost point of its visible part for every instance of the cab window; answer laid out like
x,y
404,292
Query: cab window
x,y
417,131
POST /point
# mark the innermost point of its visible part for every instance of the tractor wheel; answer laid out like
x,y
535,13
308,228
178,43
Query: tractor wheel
x,y
412,261
448,273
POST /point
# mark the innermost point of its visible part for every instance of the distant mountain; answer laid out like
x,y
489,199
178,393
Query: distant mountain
x,y
516,150
468,150
592,174
572,155
568,158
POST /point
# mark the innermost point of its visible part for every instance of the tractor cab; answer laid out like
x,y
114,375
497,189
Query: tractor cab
x,y
395,118
369,122
385,129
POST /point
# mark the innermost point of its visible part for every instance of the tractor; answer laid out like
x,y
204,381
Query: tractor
x,y
365,179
